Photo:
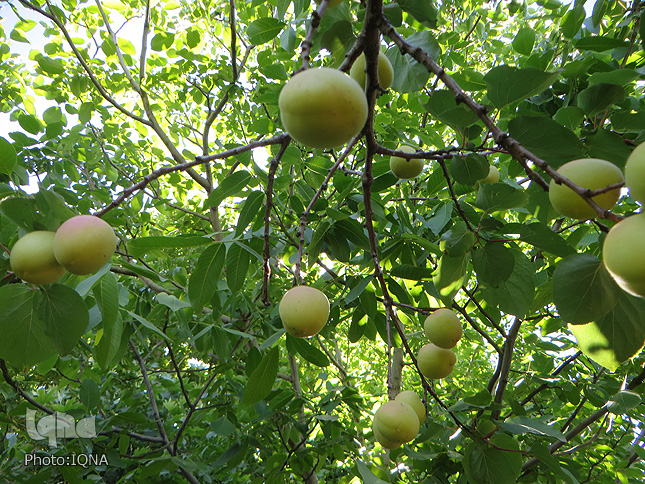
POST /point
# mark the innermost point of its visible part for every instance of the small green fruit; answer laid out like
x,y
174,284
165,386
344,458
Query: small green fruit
x,y
492,177
397,421
403,168
443,328
32,258
322,108
83,244
304,311
412,399
622,253
385,71
435,362
590,173
635,173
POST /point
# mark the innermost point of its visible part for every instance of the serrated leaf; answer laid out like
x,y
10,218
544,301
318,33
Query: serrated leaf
x,y
583,290
542,237
494,197
623,402
616,337
368,476
507,85
424,12
24,342
261,380
308,351
263,30
231,186
572,21
65,316
600,43
485,464
204,279
469,169
142,245
170,301
109,348
249,211
514,295
237,265
30,123
523,425
599,97
442,106
547,139
410,272
89,393
450,275
493,263
106,292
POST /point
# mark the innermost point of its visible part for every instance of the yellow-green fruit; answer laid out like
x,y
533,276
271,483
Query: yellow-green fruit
x,y
590,173
83,244
443,328
403,168
412,399
322,108
304,311
492,177
332,3
397,421
32,258
623,254
635,173
388,444
435,362
385,71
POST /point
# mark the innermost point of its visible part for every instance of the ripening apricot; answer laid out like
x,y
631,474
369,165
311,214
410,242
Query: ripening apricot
x,y
32,258
322,107
304,311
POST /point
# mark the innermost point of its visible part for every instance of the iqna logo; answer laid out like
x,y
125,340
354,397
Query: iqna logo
x,y
59,426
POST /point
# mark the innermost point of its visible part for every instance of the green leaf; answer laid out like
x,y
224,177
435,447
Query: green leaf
x,y
109,349
204,279
89,394
469,80
231,186
368,477
140,246
410,272
147,324
600,43
569,116
485,464
547,139
599,97
623,402
583,290
542,237
171,302
524,425
514,295
263,30
493,263
308,351
49,65
106,292
494,197
572,21
467,170
237,265
24,341
7,156
424,12
616,337
30,123
162,41
409,75
65,316
524,40
450,276
507,85
442,106
261,381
